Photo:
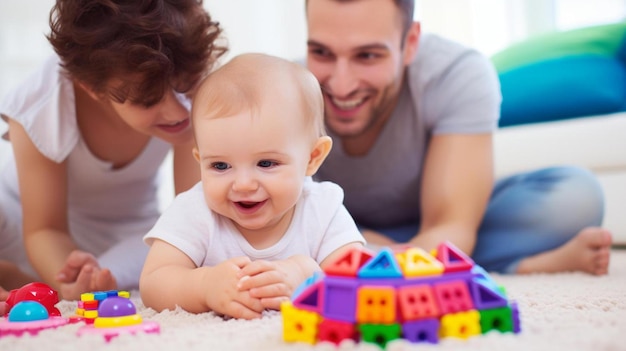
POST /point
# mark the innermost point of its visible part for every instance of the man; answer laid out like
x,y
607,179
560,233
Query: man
x,y
412,116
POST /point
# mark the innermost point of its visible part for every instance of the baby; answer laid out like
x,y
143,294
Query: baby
x,y
257,225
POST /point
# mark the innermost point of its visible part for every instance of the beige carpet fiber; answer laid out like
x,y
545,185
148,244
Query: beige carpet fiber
x,y
558,312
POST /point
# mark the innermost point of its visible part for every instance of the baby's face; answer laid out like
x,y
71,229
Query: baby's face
x,y
253,168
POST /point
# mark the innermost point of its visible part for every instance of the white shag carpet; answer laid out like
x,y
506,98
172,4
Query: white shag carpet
x,y
570,311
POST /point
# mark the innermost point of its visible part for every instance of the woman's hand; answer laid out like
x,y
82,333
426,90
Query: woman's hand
x,y
82,273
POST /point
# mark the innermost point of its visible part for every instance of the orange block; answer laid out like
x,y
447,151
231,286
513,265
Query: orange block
x,y
376,304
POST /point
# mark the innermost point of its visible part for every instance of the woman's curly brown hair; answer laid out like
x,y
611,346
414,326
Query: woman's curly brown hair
x,y
135,50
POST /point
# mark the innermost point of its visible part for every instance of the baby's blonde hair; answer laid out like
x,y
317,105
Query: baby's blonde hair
x,y
246,80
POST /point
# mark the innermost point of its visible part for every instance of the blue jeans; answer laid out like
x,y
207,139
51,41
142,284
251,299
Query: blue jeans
x,y
529,213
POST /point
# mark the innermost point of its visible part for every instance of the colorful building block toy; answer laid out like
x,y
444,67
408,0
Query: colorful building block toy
x,y
404,293
111,313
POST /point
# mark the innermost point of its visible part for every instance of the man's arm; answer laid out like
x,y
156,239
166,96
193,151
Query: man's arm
x,y
457,183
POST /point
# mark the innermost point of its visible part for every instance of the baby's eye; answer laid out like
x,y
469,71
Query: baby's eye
x,y
220,166
267,164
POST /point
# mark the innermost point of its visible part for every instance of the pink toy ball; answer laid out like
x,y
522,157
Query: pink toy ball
x,y
28,317
118,315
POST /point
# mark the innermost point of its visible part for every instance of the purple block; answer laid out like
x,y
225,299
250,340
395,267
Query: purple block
x,y
515,315
425,330
486,296
431,279
340,298
392,282
311,298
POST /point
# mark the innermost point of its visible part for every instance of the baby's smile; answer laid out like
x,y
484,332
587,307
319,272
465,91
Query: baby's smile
x,y
249,206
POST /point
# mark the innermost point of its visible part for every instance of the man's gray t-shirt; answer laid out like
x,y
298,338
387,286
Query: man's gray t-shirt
x,y
449,89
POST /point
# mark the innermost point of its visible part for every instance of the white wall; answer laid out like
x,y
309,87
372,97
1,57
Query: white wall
x,y
278,26
274,27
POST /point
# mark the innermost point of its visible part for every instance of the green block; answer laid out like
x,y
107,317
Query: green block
x,y
605,40
380,334
500,319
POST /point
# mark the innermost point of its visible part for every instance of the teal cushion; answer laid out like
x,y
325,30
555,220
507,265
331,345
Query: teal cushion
x,y
564,87
608,40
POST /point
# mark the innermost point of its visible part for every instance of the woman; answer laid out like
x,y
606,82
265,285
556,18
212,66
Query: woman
x,y
89,131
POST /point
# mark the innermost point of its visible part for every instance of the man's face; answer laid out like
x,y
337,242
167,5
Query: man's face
x,y
355,50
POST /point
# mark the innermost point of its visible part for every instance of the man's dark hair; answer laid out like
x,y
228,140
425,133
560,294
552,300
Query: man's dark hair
x,y
406,7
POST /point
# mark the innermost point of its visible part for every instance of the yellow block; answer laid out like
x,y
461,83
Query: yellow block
x,y
416,262
460,325
86,297
299,325
91,314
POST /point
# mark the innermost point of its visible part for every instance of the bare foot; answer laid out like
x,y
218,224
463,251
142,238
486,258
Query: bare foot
x,y
587,252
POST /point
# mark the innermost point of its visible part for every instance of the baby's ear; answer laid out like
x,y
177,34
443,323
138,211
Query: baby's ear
x,y
318,154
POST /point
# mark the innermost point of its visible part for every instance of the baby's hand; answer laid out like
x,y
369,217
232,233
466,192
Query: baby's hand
x,y
270,281
223,295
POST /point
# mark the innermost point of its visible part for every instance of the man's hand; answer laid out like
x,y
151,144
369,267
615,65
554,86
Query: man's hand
x,y
223,295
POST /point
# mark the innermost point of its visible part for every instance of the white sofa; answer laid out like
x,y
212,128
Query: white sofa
x,y
595,142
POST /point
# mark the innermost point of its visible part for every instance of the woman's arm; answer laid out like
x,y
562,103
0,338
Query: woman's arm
x,y
43,191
